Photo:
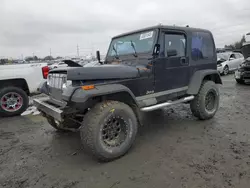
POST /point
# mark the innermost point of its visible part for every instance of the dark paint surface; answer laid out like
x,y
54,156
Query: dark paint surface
x,y
165,73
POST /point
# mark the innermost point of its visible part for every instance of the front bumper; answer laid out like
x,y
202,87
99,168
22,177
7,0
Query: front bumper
x,y
242,75
50,110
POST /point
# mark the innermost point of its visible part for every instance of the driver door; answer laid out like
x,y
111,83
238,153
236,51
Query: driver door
x,y
232,62
172,68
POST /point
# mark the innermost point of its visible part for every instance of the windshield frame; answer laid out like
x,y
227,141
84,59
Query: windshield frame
x,y
156,31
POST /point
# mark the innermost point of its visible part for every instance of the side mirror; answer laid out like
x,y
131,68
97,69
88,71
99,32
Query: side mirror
x,y
231,58
98,57
171,53
156,50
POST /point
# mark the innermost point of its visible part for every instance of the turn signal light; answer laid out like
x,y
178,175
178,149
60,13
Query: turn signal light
x,y
88,87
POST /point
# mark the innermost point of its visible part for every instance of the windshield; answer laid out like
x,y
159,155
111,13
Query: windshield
x,y
139,43
224,56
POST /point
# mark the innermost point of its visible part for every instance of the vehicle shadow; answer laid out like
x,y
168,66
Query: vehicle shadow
x,y
157,125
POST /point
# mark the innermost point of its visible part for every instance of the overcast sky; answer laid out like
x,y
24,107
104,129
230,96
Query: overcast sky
x,y
35,26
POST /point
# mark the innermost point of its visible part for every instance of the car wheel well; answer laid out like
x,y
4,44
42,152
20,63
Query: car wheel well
x,y
20,83
213,77
124,97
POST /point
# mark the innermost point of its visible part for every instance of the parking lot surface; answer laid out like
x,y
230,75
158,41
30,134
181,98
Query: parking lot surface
x,y
173,149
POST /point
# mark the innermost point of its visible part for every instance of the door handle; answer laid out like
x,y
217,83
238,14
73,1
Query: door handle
x,y
183,60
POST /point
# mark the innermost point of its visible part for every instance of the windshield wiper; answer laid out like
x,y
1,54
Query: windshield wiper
x,y
116,54
133,46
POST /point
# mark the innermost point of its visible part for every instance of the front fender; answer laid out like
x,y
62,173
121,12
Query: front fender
x,y
199,76
80,95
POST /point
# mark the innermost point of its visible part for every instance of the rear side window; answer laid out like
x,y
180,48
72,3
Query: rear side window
x,y
238,55
202,46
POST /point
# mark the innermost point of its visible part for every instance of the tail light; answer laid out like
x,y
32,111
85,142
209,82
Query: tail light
x,y
45,71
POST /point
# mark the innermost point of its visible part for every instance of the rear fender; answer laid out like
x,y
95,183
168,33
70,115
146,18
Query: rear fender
x,y
199,77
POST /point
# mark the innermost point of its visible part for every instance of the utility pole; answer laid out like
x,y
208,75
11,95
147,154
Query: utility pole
x,y
50,54
77,50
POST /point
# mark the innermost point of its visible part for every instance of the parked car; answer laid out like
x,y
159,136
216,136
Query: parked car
x,y
59,64
228,62
242,75
17,82
160,67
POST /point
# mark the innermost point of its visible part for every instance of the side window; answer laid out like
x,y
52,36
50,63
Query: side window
x,y
237,56
175,42
233,56
202,46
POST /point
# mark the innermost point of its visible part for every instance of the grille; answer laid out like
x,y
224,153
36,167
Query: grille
x,y
56,80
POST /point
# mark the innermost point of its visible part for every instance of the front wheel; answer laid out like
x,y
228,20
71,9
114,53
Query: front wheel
x,y
109,130
226,70
206,102
13,101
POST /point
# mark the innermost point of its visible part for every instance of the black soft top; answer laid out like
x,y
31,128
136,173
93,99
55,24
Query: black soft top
x,y
185,29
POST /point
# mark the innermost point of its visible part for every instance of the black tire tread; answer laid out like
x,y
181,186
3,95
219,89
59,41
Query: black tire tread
x,y
195,105
20,91
90,120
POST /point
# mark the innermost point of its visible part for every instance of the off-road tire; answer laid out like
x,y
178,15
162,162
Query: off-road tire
x,y
198,106
240,81
93,125
67,125
19,91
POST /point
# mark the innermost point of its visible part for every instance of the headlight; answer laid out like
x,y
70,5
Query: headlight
x,y
219,65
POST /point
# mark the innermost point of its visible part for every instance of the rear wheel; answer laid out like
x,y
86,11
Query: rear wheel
x,y
206,102
13,101
109,130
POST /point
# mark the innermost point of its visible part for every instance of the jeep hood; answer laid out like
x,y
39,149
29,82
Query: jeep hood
x,y
246,50
99,72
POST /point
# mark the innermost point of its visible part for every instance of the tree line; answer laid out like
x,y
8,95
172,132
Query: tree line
x,y
35,58
237,45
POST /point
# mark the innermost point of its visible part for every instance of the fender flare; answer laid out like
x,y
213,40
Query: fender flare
x,y
199,76
81,95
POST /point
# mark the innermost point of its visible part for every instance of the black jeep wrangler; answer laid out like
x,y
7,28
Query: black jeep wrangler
x,y
144,70
242,75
